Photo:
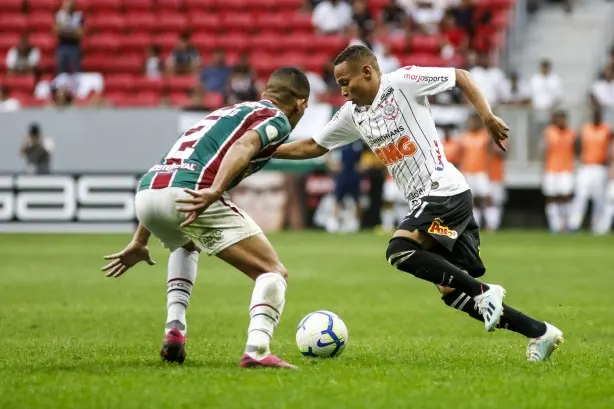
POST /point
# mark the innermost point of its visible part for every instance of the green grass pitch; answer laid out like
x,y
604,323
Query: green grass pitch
x,y
71,338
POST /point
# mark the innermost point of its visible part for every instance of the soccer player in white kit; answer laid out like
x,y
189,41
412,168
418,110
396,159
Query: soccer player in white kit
x,y
438,241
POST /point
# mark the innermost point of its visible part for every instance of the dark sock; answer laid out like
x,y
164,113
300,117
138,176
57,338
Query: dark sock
x,y
406,255
511,319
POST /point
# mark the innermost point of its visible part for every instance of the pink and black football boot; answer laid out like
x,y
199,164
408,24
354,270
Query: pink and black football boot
x,y
269,361
173,348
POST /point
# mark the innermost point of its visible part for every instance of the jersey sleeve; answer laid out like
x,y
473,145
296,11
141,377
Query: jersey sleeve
x,y
424,81
339,131
272,129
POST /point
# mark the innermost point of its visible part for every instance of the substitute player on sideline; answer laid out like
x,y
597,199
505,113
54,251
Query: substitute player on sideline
x,y
207,160
438,241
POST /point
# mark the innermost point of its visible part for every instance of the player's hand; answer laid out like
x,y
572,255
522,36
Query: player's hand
x,y
128,257
199,202
498,130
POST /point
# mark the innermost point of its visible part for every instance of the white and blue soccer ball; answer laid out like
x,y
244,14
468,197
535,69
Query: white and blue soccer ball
x,y
321,334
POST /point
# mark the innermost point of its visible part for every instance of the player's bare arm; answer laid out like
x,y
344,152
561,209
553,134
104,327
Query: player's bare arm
x,y
496,127
135,252
233,164
302,149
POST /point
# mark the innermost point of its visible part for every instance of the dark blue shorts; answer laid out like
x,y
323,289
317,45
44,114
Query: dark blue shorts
x,y
347,184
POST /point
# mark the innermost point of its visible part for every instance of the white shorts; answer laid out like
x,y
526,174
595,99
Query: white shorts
x,y
591,181
219,227
391,193
478,184
610,192
498,193
557,184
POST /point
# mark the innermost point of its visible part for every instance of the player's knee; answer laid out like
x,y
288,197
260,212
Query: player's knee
x,y
400,250
274,267
445,290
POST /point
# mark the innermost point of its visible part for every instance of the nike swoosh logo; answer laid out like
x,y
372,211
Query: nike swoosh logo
x,y
360,122
320,344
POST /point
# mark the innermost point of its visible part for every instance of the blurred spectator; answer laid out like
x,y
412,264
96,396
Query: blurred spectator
x,y
36,151
61,97
362,15
546,94
483,33
184,59
387,61
318,88
394,18
241,84
153,63
8,104
515,91
215,76
328,76
196,102
427,15
451,34
603,95
464,13
489,78
365,38
332,16
23,58
69,29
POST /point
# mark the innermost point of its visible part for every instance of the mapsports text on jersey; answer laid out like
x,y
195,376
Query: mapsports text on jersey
x,y
425,78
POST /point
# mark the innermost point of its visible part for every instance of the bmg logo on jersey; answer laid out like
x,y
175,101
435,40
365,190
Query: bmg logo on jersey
x,y
396,151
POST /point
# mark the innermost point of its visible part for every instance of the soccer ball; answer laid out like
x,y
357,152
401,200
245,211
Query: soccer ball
x,y
321,334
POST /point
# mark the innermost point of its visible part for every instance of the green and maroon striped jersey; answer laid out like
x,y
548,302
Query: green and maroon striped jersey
x,y
196,156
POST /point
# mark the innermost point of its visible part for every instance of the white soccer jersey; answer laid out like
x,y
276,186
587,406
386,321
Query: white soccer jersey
x,y
399,129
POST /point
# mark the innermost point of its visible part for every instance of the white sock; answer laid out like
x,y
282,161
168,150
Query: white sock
x,y
477,215
554,219
564,209
182,269
388,219
492,216
267,304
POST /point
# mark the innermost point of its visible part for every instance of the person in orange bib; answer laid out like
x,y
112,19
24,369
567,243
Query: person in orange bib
x,y
592,176
452,146
474,164
558,183
498,195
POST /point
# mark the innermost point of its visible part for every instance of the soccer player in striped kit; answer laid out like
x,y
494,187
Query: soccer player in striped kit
x,y
192,179
438,241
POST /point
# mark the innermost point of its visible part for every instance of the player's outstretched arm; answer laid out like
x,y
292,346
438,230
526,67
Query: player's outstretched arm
x,y
135,252
302,149
233,164
496,127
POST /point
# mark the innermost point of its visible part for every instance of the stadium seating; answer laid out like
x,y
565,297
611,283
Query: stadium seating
x,y
119,31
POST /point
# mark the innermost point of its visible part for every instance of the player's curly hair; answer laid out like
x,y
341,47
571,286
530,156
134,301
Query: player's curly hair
x,y
287,84
356,53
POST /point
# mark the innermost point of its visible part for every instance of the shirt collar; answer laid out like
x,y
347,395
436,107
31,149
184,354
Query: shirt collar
x,y
382,86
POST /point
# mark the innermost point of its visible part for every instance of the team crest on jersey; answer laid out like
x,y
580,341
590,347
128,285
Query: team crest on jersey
x,y
441,230
390,109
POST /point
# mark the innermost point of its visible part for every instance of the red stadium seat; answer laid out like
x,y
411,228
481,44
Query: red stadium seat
x,y
141,21
200,5
41,22
43,5
181,83
284,4
423,60
172,6
237,21
13,23
106,22
330,44
47,63
179,99
204,22
119,82
266,42
205,42
97,63
46,42
137,42
10,6
296,41
424,44
133,64
396,44
214,100
166,41
19,84
31,101
316,62
140,6
101,42
97,6
147,99
171,22
265,64
234,42
272,22
301,22
143,84
9,40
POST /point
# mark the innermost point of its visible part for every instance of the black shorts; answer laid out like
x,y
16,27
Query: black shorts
x,y
449,220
